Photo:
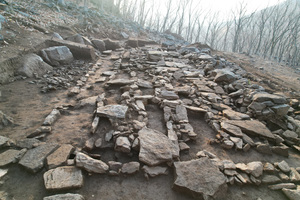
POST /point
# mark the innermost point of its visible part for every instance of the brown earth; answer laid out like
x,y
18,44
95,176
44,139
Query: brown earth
x,y
28,107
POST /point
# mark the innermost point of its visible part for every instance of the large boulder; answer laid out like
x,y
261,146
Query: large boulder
x,y
111,45
67,177
253,127
156,147
34,159
200,178
112,111
59,55
99,44
60,156
225,76
33,64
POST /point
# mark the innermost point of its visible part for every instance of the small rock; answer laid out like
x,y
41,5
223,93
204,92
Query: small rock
x,y
115,166
283,166
155,171
90,164
130,168
123,144
67,196
52,117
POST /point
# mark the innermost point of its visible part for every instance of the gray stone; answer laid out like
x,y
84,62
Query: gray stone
x,y
111,45
58,55
3,140
10,156
238,142
181,114
33,160
60,156
205,57
52,117
67,177
290,135
294,175
28,143
200,178
120,82
123,144
284,166
90,164
155,171
227,144
156,147
248,140
130,168
98,143
257,107
261,97
3,172
253,127
282,150
281,110
270,179
268,167
282,185
225,76
169,95
233,115
115,166
264,148
32,64
90,144
144,84
112,111
154,55
255,168
236,94
292,194
99,44
231,129
67,196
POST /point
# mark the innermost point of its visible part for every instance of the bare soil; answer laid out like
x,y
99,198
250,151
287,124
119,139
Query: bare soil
x,y
28,107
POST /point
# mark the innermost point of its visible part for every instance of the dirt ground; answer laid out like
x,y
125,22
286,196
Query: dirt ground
x,y
28,107
271,75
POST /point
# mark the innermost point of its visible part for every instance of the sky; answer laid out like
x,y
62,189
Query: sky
x,y
225,6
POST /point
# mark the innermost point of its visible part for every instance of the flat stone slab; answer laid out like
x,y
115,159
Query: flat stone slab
x,y
9,156
67,196
292,194
200,178
230,114
34,159
91,164
261,97
120,82
253,127
231,129
112,111
66,177
156,147
60,156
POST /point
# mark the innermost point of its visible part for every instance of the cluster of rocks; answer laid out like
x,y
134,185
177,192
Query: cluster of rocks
x,y
180,82
278,176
